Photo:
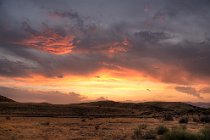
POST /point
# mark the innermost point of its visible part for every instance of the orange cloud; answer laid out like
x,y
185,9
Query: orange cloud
x,y
50,41
119,47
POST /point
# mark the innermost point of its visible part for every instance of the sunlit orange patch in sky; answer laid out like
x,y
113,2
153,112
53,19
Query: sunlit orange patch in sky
x,y
107,83
122,85
51,42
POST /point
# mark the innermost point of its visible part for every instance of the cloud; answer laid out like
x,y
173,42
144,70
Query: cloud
x,y
188,90
48,40
205,90
71,15
56,97
101,99
148,36
14,68
143,51
57,41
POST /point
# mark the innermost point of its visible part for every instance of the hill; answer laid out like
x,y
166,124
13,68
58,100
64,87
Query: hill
x,y
100,109
200,104
5,99
177,108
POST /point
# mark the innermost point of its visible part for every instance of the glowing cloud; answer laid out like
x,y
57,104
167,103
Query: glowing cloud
x,y
50,41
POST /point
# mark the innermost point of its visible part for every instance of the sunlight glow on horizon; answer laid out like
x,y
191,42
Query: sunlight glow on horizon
x,y
131,86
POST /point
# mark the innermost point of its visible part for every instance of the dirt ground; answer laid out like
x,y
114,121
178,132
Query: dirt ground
x,y
30,128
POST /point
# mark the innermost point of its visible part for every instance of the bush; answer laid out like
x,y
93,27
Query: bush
x,y
183,134
97,126
8,118
141,133
149,135
196,119
205,133
183,120
137,134
91,118
83,120
45,123
162,130
184,127
168,117
179,134
142,126
205,119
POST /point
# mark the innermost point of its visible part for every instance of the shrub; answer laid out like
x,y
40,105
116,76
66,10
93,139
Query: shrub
x,y
91,118
205,133
8,118
196,119
83,120
179,134
168,117
45,123
142,126
137,134
161,130
205,119
183,120
183,134
149,135
184,127
140,134
97,126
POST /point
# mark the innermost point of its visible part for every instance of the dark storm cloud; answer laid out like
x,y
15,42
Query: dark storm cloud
x,y
188,90
193,91
14,68
147,36
71,15
171,59
55,97
51,65
165,39
188,6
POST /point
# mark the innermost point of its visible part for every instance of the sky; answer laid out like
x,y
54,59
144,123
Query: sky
x,y
69,51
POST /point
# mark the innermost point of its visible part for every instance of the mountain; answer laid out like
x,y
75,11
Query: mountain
x,y
100,109
200,104
152,107
5,99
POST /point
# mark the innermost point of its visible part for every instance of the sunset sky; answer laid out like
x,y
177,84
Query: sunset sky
x,y
68,51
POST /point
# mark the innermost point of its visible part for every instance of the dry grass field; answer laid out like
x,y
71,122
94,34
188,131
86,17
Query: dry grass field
x,y
45,128
103,120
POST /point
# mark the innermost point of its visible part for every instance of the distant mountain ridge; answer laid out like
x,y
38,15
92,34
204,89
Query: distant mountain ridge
x,y
200,104
98,109
5,99
147,106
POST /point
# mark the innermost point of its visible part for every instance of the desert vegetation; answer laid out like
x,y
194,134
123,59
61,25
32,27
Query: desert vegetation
x,y
103,120
184,120
174,133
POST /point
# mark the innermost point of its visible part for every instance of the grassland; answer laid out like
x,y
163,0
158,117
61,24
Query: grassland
x,y
46,128
103,120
